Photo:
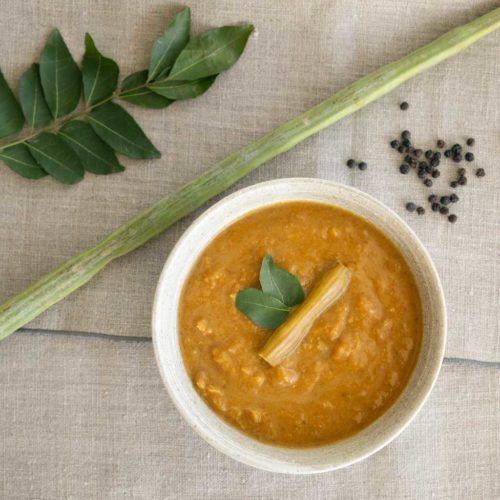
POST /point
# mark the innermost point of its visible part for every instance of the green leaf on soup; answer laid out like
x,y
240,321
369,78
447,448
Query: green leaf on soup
x,y
279,283
11,115
56,158
263,310
210,53
35,109
20,160
120,131
180,90
99,74
95,156
134,90
167,48
60,76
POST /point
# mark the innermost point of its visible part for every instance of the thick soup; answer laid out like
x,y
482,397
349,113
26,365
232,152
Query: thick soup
x,y
356,359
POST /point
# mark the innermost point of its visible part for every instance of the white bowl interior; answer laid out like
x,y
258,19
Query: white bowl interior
x,y
224,437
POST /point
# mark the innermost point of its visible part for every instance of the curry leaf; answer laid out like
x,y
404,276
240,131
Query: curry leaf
x,y
99,74
35,108
134,90
179,90
120,131
264,310
168,47
19,159
214,51
56,158
279,283
11,116
95,156
60,76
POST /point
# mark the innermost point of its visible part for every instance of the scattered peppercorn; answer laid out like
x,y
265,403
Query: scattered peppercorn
x,y
404,106
440,144
420,210
429,169
395,144
435,207
406,134
432,198
406,143
418,152
435,174
350,163
428,154
401,149
457,158
411,207
452,218
421,174
445,200
444,210
480,172
461,171
469,156
447,153
456,148
470,141
404,168
362,165
454,198
428,183
462,181
453,184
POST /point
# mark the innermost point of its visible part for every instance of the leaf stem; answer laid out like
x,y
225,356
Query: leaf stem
x,y
55,125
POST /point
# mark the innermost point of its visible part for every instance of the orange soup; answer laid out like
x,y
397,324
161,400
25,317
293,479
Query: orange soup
x,y
355,360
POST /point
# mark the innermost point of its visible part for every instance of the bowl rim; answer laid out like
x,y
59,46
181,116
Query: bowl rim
x,y
187,414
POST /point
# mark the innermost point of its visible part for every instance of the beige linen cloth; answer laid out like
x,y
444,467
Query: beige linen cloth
x,y
86,417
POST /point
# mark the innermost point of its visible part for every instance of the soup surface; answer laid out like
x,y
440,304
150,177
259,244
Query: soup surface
x,y
356,359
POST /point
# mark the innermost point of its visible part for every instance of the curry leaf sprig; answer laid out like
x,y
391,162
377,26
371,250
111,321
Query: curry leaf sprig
x,y
269,307
63,143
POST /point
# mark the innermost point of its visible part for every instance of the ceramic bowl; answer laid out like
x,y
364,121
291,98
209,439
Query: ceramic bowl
x,y
226,438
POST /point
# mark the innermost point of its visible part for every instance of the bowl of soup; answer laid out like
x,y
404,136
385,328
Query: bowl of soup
x,y
367,363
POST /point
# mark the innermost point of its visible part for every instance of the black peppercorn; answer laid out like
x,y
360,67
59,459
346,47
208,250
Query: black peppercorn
x,y
462,181
421,174
435,207
432,198
420,210
350,163
444,210
445,200
404,106
436,173
453,184
418,153
461,171
470,141
406,134
406,143
447,153
452,218
469,156
480,172
440,144
428,183
362,165
408,159
429,169
404,168
457,158
401,149
395,144
454,198
456,148
435,162
428,154
411,207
